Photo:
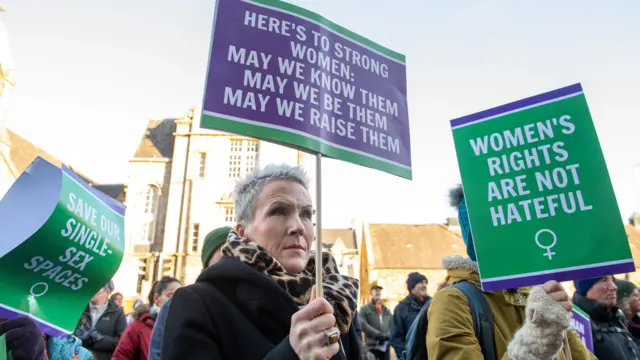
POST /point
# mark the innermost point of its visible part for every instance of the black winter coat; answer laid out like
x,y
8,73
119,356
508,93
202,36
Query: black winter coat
x,y
403,316
111,325
611,337
234,312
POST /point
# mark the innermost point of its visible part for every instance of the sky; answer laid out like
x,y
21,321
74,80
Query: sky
x,y
90,74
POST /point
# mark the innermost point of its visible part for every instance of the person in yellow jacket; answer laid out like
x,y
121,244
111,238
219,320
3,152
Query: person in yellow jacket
x,y
529,323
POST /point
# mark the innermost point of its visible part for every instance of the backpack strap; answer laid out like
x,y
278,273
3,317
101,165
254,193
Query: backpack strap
x,y
415,340
482,317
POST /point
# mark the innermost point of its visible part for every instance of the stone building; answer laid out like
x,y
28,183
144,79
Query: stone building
x,y
7,74
389,252
178,188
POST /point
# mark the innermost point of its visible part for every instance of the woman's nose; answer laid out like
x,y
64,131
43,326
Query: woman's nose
x,y
295,225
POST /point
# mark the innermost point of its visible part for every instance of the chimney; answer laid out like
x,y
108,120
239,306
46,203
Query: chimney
x,y
453,224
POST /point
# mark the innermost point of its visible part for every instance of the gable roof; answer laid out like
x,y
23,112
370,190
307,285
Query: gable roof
x,y
22,152
115,191
406,246
331,236
157,141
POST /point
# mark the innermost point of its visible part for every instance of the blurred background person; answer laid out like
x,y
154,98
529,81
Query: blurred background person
x,y
101,324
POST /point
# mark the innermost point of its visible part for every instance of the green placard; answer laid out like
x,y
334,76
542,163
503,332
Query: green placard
x,y
62,241
540,200
3,348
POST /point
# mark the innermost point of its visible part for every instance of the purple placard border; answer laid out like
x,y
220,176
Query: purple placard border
x,y
523,103
46,328
560,276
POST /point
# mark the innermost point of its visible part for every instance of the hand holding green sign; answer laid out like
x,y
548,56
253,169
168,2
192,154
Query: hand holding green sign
x,y
540,201
63,241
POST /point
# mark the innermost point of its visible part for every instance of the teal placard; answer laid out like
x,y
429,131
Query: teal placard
x,y
539,196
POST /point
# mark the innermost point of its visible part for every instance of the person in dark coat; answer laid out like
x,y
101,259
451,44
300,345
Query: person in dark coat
x,y
407,310
23,339
611,337
375,319
259,300
210,254
629,303
101,324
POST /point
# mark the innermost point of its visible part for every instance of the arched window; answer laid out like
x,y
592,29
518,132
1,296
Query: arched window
x,y
150,213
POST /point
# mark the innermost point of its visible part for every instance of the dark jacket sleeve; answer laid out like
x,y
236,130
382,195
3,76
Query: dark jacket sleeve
x,y
109,343
155,344
398,331
192,334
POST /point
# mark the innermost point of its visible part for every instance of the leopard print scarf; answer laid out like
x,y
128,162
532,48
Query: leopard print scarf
x,y
341,291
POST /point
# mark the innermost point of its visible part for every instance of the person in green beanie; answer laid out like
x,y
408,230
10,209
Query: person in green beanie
x,y
211,249
629,303
211,253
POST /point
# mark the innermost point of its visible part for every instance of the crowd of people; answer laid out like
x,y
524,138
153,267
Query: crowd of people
x,y
256,299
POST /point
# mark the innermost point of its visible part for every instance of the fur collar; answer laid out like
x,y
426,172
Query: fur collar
x,y
459,262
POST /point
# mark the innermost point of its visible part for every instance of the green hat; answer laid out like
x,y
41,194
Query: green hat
x,y
625,289
212,242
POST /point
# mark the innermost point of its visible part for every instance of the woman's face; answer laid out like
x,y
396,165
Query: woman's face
x,y
118,300
634,302
166,294
282,223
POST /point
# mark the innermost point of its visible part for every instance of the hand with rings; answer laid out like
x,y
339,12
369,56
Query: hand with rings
x,y
313,333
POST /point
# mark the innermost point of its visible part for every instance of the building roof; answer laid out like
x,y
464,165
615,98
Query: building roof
x,y
22,153
115,191
157,141
331,236
406,246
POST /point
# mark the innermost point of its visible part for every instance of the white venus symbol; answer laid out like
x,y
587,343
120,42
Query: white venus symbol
x,y
549,253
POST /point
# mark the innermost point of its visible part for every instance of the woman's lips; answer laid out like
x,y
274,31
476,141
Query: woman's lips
x,y
295,247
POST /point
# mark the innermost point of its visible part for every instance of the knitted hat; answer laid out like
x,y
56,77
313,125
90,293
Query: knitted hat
x,y
583,286
212,242
413,280
456,198
625,289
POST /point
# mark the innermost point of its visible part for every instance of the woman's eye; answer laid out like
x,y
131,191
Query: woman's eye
x,y
306,214
278,212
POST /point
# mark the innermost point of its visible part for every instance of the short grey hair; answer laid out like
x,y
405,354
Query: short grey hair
x,y
248,188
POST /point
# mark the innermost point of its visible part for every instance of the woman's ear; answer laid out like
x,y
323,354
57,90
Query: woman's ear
x,y
241,230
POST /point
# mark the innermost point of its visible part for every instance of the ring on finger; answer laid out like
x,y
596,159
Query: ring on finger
x,y
333,335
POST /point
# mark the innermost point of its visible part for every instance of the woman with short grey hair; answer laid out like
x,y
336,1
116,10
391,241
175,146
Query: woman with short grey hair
x,y
259,301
